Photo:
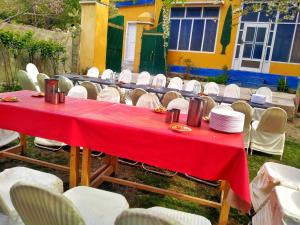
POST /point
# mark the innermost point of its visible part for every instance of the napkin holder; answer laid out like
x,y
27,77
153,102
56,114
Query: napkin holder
x,y
195,113
51,91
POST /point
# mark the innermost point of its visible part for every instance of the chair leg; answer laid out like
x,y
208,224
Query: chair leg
x,y
212,184
49,148
167,173
128,162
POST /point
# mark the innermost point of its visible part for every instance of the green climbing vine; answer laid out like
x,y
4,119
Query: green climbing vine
x,y
226,33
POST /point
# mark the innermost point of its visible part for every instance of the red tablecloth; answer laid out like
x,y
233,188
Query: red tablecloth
x,y
134,133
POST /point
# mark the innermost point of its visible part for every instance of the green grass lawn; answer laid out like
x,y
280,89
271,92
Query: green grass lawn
x,y
137,198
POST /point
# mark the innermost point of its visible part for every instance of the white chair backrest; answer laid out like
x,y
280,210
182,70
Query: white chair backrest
x,y
41,81
144,78
78,92
179,103
159,80
65,84
91,88
125,76
232,91
176,83
273,120
193,85
37,206
32,71
107,74
26,81
144,217
246,109
148,100
266,92
211,88
93,72
109,94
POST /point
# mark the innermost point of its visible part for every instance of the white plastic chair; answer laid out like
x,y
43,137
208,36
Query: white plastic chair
x,y
246,109
7,136
193,85
266,92
41,81
26,81
281,208
268,134
92,89
107,74
232,91
77,206
211,88
179,103
159,216
78,92
93,72
144,78
176,83
148,100
270,175
64,84
32,71
11,176
159,80
136,94
125,76
169,96
109,94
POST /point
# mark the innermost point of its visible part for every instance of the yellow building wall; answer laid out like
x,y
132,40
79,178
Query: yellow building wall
x,y
285,69
211,60
93,37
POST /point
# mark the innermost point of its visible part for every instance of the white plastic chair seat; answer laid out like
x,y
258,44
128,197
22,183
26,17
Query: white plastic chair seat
x,y
97,206
48,143
282,208
266,142
270,175
179,103
144,78
182,217
22,174
176,83
7,136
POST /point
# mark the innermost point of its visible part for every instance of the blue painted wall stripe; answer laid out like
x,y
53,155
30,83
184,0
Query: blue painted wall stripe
x,y
243,78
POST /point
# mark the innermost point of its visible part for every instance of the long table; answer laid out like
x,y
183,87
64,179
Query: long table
x,y
162,90
133,133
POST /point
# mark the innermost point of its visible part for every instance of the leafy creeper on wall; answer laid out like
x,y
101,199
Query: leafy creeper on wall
x,y
226,33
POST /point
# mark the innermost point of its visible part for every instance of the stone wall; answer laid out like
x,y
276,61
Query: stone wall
x,y
65,38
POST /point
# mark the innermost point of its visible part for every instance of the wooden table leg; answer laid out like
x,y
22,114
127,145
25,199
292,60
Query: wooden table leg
x,y
23,142
86,167
74,167
225,207
114,163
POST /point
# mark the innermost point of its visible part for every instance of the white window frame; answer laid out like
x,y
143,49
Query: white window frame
x,y
192,25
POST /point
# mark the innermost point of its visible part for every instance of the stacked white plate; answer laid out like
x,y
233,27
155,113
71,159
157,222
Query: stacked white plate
x,y
226,120
258,99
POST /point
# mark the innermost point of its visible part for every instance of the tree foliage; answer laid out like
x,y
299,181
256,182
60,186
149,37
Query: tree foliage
x,y
226,33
